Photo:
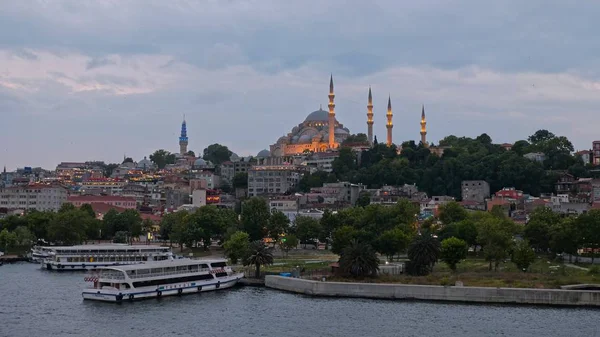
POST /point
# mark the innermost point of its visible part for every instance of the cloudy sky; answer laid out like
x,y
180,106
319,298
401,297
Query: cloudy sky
x,y
94,80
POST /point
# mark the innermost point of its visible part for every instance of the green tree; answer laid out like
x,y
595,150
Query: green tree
x,y
236,247
162,158
67,228
359,260
216,154
537,230
38,223
423,253
288,243
169,223
364,199
465,230
565,237
307,229
258,255
392,242
87,208
452,212
93,228
329,222
453,251
523,255
110,168
277,225
113,222
190,153
132,222
496,237
589,227
240,180
342,237
255,217
66,207
7,239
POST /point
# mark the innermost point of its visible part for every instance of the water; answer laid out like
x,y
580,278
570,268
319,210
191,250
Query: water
x,y
33,301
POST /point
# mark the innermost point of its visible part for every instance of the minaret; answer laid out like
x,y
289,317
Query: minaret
x,y
331,114
423,128
183,139
389,124
370,118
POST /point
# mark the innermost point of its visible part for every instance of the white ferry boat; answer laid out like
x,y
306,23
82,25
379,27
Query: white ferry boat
x,y
39,253
157,279
86,257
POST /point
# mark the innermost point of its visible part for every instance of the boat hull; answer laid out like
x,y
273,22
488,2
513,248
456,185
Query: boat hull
x,y
128,295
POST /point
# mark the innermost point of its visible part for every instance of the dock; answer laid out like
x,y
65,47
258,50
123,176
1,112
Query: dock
x,y
252,282
13,259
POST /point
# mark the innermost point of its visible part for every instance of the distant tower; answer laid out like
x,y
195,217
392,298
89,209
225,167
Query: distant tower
x,y
370,118
331,114
423,128
183,139
389,124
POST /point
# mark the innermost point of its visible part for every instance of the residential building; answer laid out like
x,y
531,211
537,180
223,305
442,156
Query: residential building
x,y
102,185
535,156
273,179
175,197
475,190
230,168
596,152
507,146
509,193
389,195
586,156
199,197
112,200
342,192
431,206
321,161
33,197
209,179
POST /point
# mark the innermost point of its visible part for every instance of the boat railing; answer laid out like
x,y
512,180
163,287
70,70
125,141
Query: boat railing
x,y
175,272
112,253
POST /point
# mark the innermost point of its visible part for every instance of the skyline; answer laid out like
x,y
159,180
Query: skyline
x,y
92,81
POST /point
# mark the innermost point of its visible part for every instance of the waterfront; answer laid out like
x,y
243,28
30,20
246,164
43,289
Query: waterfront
x,y
35,301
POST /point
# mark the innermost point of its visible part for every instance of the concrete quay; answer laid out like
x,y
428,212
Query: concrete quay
x,y
549,297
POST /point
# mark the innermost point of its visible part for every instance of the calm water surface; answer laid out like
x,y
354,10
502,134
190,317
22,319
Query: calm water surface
x,y
35,302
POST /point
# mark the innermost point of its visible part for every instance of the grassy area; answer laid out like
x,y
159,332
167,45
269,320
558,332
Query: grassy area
x,y
474,272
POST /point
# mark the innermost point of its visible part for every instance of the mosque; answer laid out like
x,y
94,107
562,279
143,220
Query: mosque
x,y
322,132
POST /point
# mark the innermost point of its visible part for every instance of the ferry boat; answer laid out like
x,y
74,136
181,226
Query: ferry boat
x,y
39,253
87,257
157,279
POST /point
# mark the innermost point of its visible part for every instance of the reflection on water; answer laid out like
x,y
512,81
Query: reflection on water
x,y
33,301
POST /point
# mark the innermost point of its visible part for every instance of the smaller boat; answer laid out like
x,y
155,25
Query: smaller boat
x,y
157,279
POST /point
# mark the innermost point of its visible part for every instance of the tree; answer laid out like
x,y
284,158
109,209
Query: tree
x,y
288,243
342,237
240,180
423,253
132,223
495,235
307,229
38,223
453,251
113,222
87,208
171,225
537,229
465,230
66,207
236,247
67,228
523,255
329,222
110,168
7,239
128,160
162,157
148,228
359,260
93,228
392,242
565,237
255,217
364,199
190,153
216,154
277,225
589,226
258,255
452,212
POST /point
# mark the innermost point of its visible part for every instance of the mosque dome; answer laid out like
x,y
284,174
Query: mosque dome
x,y
200,163
263,154
145,163
318,116
305,139
341,131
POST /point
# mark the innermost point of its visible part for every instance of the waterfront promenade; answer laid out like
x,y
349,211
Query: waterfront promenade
x,y
552,297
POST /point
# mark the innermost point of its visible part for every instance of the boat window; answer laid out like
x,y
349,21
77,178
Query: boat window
x,y
193,268
182,268
143,271
170,269
156,270
172,280
204,266
218,264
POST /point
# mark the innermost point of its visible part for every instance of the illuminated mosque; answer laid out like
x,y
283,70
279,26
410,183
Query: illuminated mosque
x,y
322,132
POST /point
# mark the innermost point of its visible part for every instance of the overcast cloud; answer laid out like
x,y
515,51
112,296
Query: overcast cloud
x,y
94,80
